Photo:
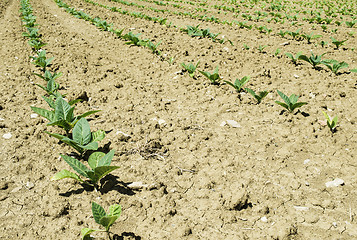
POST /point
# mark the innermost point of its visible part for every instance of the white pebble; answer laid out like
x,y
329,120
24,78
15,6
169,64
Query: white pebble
x,y
300,208
264,219
233,123
34,115
7,135
335,183
30,185
306,161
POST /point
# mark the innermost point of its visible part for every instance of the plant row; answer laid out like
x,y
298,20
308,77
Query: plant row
x,y
77,129
289,103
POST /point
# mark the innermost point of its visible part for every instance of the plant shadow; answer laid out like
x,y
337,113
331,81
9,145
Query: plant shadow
x,y
126,235
111,183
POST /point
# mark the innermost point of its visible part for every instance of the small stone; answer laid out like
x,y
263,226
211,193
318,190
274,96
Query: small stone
x,y
301,208
34,115
16,189
312,95
233,123
136,185
161,122
322,122
296,76
334,224
306,161
264,219
223,124
29,185
284,43
1,119
7,135
226,49
335,183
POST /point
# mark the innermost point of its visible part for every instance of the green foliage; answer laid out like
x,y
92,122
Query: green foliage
x,y
335,65
102,218
277,52
294,59
82,137
47,76
310,37
153,47
239,83
331,123
190,68
337,43
259,97
41,61
134,39
99,163
246,47
290,102
213,77
314,60
62,114
295,34
261,48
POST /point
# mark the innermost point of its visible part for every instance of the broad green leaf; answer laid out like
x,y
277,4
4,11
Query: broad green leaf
x,y
90,146
94,159
283,105
69,115
100,172
108,221
81,132
293,99
297,105
50,101
86,233
65,174
114,210
98,212
106,160
98,136
74,101
76,165
62,108
284,97
49,115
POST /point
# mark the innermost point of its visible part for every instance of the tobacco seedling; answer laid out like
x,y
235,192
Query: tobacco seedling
x,y
335,65
82,137
134,39
238,84
259,97
99,163
331,123
102,218
277,52
337,43
261,48
213,77
310,37
190,68
314,60
32,33
294,59
41,61
51,87
47,76
294,34
36,44
290,102
153,47
246,47
62,113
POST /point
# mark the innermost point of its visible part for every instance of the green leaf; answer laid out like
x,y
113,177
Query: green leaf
x,y
98,136
76,165
94,159
106,160
108,221
100,172
61,123
50,101
74,101
297,105
285,98
90,146
293,99
353,70
62,109
86,233
114,210
81,132
98,212
88,113
49,115
283,105
66,174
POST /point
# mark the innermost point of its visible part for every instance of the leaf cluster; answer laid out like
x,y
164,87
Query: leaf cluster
x,y
290,102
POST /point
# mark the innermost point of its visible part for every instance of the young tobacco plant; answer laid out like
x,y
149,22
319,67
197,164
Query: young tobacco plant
x,y
98,162
310,37
338,43
102,218
82,137
213,77
314,60
294,59
331,123
239,83
190,68
153,47
259,97
47,76
62,113
41,61
36,44
290,102
334,65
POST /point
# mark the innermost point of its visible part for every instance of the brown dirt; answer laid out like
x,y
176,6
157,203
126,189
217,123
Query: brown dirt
x,y
208,181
